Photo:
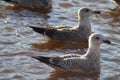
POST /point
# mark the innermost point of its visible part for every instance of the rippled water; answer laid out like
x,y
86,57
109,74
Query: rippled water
x,y
18,42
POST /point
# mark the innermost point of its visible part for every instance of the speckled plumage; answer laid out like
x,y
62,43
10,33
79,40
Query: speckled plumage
x,y
87,63
74,34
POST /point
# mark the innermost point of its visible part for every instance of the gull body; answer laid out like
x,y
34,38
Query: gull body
x,y
74,34
87,63
31,3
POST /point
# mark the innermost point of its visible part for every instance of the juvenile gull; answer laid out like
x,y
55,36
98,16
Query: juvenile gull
x,y
31,3
87,63
74,34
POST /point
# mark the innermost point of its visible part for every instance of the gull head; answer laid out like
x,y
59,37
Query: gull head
x,y
86,12
97,39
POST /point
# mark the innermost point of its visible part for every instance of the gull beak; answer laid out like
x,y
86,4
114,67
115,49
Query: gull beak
x,y
107,41
97,12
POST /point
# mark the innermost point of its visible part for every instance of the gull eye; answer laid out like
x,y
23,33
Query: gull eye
x,y
86,10
97,38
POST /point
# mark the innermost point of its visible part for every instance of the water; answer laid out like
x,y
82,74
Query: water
x,y
18,42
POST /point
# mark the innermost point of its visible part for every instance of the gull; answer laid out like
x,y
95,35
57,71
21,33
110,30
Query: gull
x,y
36,4
87,63
73,34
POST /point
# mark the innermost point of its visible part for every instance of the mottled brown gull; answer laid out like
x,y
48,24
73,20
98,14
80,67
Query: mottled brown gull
x,y
87,63
74,34
35,4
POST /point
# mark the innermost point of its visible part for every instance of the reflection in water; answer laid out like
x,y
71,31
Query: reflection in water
x,y
41,10
65,75
53,44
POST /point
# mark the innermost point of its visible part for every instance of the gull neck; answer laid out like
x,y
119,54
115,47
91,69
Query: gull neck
x,y
93,52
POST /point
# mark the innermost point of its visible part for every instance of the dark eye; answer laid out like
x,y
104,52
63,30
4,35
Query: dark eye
x,y
97,38
86,10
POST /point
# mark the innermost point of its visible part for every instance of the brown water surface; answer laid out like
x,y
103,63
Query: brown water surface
x,y
18,42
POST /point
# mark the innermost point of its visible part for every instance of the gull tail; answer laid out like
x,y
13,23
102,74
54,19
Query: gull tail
x,y
38,30
42,59
51,61
46,31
